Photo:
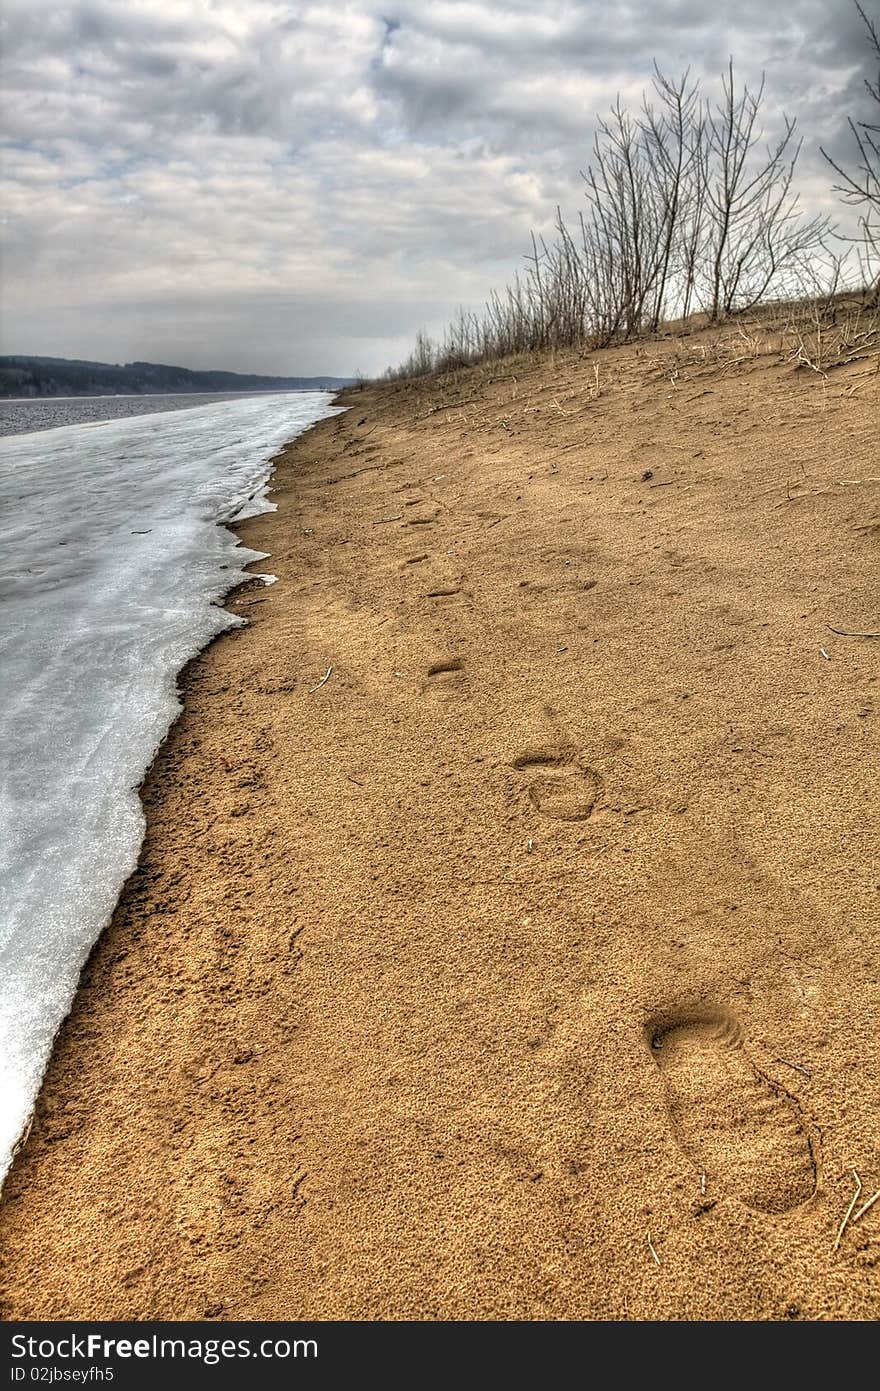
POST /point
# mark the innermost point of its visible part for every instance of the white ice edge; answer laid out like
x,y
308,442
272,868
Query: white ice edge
x,y
114,560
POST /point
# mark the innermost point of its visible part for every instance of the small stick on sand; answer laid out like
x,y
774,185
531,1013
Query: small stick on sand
x,y
824,654
797,1066
651,1248
383,520
23,1137
864,1208
845,633
323,681
848,1213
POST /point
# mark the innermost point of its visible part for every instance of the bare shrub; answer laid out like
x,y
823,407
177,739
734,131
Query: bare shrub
x,y
859,184
685,211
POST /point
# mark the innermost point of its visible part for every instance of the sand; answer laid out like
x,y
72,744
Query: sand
x,y
528,967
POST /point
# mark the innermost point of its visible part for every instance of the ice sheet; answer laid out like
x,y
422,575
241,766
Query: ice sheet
x,y
112,564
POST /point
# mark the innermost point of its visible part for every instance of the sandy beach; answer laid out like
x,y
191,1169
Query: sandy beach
x,y
504,943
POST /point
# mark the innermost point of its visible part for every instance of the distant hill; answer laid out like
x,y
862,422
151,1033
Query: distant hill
x,y
60,376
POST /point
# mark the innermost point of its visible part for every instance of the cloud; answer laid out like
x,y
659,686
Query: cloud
x,y
299,187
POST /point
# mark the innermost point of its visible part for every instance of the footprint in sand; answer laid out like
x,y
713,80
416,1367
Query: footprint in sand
x,y
736,1124
562,789
445,678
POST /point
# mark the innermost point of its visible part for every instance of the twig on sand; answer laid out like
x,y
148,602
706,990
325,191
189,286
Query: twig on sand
x,y
651,1248
670,484
383,520
23,1138
797,1066
824,654
864,1208
323,681
451,406
845,633
855,1198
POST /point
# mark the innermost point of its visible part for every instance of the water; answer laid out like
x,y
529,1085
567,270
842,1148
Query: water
x,y
21,416
113,563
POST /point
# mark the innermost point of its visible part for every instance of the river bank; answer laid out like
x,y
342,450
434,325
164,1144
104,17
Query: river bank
x,y
504,941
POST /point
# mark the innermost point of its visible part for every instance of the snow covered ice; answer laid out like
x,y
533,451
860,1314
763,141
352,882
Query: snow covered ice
x,y
112,564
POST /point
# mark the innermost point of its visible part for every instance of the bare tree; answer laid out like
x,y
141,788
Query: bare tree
x,y
684,210
859,186
672,145
755,231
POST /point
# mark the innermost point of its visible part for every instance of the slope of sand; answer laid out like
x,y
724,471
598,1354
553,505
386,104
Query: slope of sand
x,y
529,966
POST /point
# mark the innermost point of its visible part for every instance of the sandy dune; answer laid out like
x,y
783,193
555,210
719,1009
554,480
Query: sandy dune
x,y
529,966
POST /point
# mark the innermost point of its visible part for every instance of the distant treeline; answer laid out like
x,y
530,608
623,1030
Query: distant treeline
x,y
59,376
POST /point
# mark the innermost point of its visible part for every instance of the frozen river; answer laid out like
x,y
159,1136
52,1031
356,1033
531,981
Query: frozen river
x,y
22,416
113,560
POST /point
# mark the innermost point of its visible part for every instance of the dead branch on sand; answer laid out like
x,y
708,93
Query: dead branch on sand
x,y
323,681
845,633
855,1198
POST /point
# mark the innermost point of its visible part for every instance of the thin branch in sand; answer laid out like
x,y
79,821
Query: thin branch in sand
x,y
845,633
452,406
824,654
864,1208
855,1198
651,1248
383,520
857,386
797,1066
23,1138
323,681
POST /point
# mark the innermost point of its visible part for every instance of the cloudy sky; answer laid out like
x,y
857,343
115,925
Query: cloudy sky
x,y
298,187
